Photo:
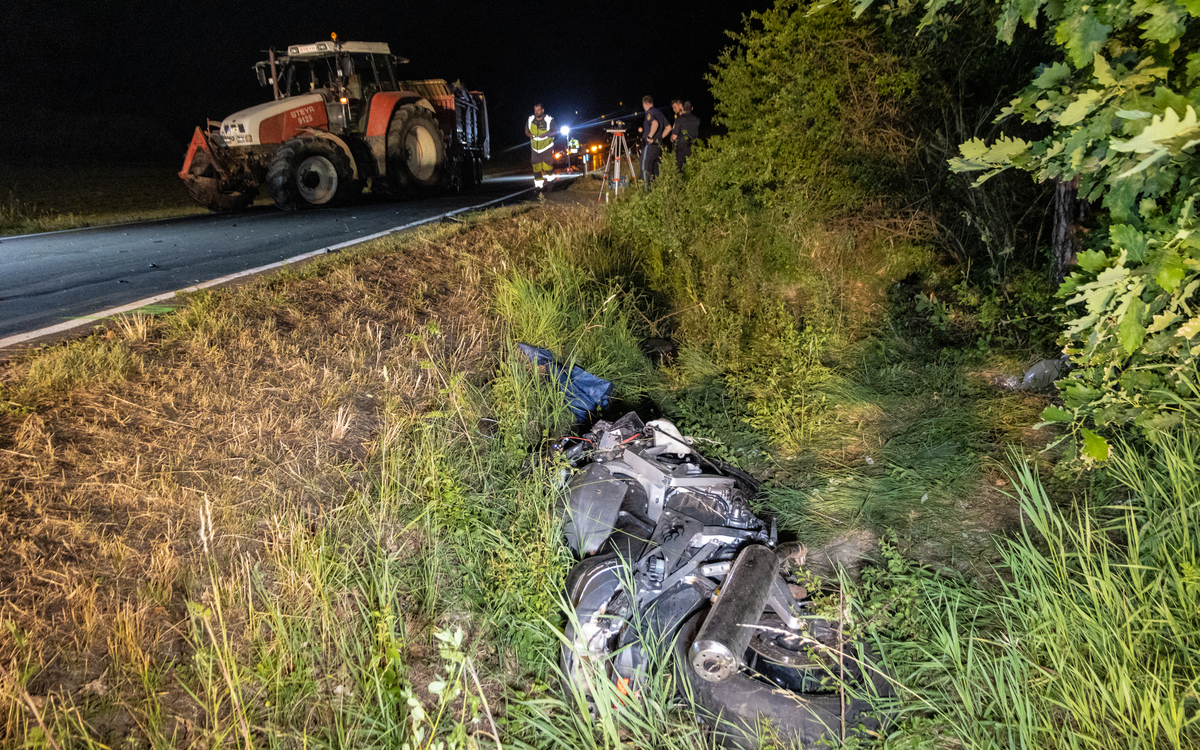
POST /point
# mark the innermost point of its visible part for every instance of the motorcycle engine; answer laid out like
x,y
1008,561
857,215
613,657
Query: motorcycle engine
x,y
657,526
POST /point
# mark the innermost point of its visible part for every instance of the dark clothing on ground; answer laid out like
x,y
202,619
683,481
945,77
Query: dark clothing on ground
x,y
685,130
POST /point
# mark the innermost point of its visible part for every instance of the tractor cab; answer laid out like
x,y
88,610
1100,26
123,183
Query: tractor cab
x,y
345,74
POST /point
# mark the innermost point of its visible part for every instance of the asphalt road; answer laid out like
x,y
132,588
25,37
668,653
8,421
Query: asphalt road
x,y
49,279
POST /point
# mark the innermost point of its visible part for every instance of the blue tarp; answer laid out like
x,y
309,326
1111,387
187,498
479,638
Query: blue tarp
x,y
584,391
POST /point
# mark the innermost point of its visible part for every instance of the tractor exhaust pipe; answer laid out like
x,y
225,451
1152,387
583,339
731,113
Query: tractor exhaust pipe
x,y
717,652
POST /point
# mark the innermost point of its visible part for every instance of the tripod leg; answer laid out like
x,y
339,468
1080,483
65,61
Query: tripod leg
x,y
629,160
618,149
603,183
604,177
625,152
607,182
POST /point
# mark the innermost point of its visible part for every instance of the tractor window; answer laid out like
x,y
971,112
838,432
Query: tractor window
x,y
306,75
363,83
364,68
383,68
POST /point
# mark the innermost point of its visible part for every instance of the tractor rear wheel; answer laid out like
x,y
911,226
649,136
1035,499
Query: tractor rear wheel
x,y
310,172
204,186
416,155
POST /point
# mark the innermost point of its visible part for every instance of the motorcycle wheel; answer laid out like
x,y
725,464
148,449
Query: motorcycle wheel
x,y
786,684
591,583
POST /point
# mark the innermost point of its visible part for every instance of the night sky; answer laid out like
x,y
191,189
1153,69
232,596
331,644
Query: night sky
x,y
175,64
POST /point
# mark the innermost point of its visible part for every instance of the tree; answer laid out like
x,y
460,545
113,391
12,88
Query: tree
x,y
1120,105
819,108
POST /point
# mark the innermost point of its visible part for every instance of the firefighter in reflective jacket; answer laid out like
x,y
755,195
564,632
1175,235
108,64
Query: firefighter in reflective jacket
x,y
541,142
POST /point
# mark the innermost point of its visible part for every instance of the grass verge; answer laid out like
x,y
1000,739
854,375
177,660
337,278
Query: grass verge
x,y
1087,639
304,513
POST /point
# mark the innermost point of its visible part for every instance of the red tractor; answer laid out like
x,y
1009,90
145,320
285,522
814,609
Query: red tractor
x,y
339,119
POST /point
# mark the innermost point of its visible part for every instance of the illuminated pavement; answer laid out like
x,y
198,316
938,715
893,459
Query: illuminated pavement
x,y
61,278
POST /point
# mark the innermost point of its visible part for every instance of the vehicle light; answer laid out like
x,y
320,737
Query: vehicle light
x,y
565,130
344,100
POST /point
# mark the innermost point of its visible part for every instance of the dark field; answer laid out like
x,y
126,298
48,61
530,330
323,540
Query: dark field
x,y
51,198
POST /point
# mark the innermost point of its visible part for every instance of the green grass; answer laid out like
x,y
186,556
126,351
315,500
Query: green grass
x,y
78,364
589,323
1089,640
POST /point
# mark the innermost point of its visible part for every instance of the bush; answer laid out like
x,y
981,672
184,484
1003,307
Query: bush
x,y
1136,337
1115,105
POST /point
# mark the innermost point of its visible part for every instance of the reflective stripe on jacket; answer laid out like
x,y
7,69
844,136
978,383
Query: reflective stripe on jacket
x,y
541,138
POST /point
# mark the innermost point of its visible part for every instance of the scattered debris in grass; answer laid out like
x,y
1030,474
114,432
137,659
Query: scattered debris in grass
x,y
257,512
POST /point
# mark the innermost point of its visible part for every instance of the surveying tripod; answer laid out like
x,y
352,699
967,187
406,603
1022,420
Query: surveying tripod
x,y
613,181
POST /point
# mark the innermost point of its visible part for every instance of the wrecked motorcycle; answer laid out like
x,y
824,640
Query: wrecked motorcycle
x,y
670,548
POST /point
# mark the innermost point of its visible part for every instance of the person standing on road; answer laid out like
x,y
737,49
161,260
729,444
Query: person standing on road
x,y
683,132
539,131
652,133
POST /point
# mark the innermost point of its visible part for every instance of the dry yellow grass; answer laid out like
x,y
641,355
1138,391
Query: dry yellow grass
x,y
115,482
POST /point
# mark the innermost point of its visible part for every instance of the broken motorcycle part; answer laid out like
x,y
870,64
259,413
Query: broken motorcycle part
x,y
673,553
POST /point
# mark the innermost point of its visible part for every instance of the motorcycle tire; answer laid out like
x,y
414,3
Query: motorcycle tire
x,y
592,581
794,699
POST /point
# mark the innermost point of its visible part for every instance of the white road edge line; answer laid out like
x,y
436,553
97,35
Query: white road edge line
x,y
84,320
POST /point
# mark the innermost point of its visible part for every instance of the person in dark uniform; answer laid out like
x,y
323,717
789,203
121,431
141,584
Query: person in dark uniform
x,y
539,131
683,131
652,131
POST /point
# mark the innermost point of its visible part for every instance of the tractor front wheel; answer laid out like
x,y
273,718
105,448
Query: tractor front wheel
x,y
204,186
310,172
